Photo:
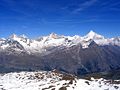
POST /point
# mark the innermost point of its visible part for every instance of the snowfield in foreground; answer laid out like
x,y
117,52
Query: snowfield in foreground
x,y
53,80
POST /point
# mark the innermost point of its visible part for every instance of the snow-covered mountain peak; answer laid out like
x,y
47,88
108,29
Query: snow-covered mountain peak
x,y
91,32
54,40
93,35
18,37
23,36
16,42
13,36
53,36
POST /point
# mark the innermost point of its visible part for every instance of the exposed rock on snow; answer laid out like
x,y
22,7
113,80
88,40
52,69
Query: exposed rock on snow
x,y
53,40
43,80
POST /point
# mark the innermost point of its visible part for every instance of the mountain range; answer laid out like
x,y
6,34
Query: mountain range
x,y
77,55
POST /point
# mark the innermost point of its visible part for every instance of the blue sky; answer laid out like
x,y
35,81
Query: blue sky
x,y
69,17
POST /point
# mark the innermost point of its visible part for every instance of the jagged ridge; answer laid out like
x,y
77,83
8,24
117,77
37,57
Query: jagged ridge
x,y
41,44
76,55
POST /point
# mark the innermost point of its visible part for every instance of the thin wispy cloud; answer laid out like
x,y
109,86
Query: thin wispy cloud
x,y
22,8
71,21
114,9
83,6
110,5
87,5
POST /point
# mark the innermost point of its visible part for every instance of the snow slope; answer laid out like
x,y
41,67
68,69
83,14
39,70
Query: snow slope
x,y
52,80
41,44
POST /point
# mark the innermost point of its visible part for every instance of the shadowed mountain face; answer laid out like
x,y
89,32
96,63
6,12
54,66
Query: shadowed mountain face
x,y
76,55
74,60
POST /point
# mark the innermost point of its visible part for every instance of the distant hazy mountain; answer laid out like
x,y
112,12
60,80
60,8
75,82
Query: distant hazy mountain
x,y
76,55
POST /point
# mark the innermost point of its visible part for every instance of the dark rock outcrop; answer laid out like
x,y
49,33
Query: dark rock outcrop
x,y
74,60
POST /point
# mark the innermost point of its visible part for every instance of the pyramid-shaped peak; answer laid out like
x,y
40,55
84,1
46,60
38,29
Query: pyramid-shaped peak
x,y
91,32
13,36
53,35
94,35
